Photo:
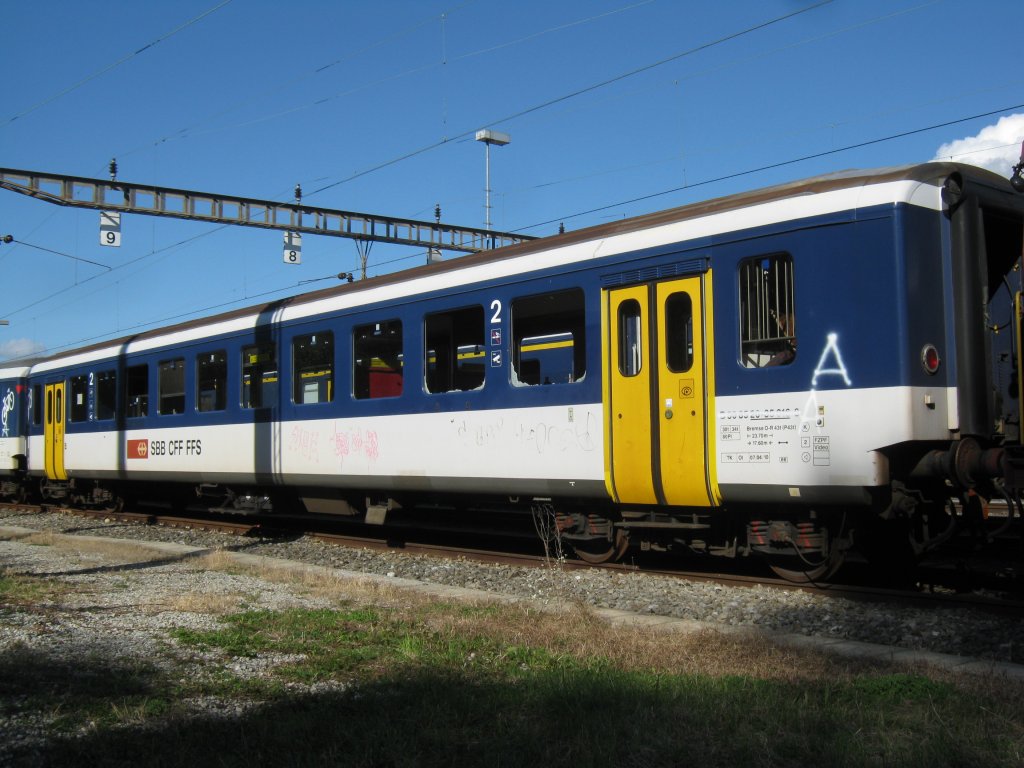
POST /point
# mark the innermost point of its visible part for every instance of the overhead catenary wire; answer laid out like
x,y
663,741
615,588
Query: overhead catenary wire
x,y
550,102
772,166
192,130
574,94
745,172
58,253
89,78
111,270
700,183
187,131
419,254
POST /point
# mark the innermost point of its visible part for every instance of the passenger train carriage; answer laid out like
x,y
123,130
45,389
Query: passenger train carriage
x,y
791,372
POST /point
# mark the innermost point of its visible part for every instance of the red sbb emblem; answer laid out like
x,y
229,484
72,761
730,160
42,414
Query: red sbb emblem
x,y
138,449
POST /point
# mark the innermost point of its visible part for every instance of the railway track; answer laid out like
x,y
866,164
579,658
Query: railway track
x,y
940,585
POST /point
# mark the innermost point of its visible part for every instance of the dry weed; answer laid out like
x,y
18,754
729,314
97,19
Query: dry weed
x,y
579,633
113,550
40,539
215,604
573,629
317,582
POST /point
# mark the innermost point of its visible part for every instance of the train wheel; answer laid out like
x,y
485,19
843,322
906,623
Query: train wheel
x,y
597,551
814,554
113,506
809,572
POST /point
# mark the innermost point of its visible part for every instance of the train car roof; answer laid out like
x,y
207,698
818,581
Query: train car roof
x,y
16,369
932,174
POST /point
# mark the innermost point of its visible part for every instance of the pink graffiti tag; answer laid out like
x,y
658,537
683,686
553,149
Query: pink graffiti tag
x,y
354,442
304,442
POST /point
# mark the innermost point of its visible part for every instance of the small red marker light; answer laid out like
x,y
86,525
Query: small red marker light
x,y
930,358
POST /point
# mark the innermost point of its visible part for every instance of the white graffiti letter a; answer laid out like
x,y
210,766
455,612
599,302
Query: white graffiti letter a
x,y
831,351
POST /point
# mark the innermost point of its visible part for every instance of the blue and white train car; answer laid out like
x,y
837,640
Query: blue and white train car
x,y
787,371
13,450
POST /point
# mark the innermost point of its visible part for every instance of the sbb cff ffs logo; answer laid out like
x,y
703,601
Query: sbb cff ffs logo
x,y
144,449
138,449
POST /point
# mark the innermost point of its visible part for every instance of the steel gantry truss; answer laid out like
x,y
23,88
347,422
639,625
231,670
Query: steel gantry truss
x,y
112,195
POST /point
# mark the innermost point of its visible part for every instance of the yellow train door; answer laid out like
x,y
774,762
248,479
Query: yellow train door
x,y
53,431
660,385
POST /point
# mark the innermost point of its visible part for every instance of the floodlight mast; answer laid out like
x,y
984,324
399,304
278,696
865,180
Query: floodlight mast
x,y
499,139
114,195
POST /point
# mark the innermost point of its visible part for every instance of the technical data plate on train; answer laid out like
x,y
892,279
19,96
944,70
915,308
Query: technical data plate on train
x,y
759,436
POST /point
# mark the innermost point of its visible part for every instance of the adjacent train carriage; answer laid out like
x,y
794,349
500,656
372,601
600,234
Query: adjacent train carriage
x,y
792,372
13,447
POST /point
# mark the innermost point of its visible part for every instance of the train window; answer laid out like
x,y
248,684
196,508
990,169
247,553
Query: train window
x,y
171,386
377,363
313,368
679,332
767,312
106,394
37,404
259,376
456,353
549,339
211,381
136,391
631,355
78,405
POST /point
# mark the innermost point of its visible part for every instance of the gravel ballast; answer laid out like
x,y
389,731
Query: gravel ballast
x,y
956,631
125,597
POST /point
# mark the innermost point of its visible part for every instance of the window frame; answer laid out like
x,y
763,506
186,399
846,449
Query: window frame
x,y
391,379
172,380
106,395
37,405
529,322
220,394
329,365
630,353
445,334
766,310
78,386
268,390
678,335
141,398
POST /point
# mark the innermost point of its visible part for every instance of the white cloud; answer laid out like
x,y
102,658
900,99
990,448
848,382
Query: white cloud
x,y
996,147
19,348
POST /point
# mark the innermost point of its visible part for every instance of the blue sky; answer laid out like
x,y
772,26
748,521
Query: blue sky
x,y
615,108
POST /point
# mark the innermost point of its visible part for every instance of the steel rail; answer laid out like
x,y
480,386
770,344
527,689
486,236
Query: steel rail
x,y
397,541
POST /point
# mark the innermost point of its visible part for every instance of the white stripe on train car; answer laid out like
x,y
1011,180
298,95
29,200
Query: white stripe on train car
x,y
9,448
818,438
509,443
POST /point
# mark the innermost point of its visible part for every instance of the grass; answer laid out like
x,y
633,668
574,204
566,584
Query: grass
x,y
389,678
414,687
19,590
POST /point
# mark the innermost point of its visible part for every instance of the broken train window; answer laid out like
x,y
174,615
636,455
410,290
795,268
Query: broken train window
x,y
767,313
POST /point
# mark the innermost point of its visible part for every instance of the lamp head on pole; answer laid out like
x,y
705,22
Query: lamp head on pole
x,y
496,138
